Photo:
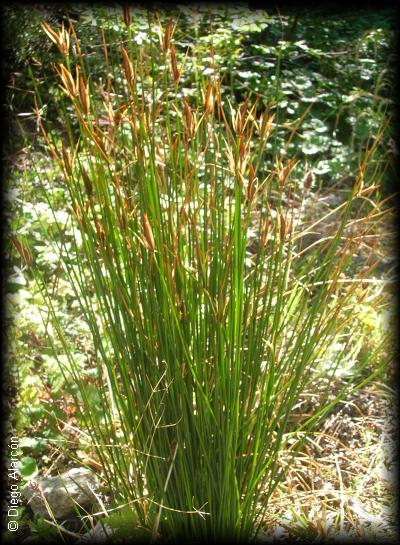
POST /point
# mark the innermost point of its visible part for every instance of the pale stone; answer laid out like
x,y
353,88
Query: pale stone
x,y
62,492
101,533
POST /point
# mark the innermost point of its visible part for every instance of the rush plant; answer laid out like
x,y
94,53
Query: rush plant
x,y
210,318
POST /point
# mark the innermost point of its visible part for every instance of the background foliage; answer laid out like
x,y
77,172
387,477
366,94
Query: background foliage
x,y
342,75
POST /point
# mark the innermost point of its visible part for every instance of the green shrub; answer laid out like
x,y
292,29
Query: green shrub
x,y
210,319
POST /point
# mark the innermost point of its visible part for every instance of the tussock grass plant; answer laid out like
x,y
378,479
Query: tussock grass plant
x,y
209,317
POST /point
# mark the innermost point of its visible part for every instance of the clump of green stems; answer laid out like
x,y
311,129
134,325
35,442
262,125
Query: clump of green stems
x,y
209,318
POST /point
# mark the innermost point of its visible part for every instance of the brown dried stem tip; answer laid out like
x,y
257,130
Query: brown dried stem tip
x,y
282,227
61,39
209,99
84,95
284,172
148,233
189,119
65,75
174,65
67,160
266,125
265,232
23,251
126,63
308,181
168,35
252,185
127,15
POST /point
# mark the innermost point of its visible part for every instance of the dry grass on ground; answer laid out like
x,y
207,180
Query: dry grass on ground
x,y
343,484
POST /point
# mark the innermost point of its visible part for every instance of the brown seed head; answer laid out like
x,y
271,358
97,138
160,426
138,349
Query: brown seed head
x,y
23,251
265,232
252,185
87,182
99,229
148,233
84,95
127,65
174,65
50,33
266,125
64,41
241,118
61,39
284,172
77,212
308,181
67,80
168,35
209,99
189,119
282,227
175,143
67,160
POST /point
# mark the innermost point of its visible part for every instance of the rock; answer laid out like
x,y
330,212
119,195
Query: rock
x,y
101,533
61,492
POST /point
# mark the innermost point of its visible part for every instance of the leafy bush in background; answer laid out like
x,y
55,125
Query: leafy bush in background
x,y
343,73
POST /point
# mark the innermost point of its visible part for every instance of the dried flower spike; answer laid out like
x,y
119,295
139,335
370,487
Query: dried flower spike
x,y
84,95
265,232
284,172
61,39
67,160
209,100
148,233
174,65
282,227
23,251
189,119
126,63
252,185
266,125
308,181
168,36
68,81
127,15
